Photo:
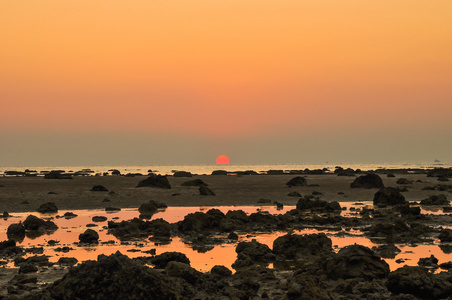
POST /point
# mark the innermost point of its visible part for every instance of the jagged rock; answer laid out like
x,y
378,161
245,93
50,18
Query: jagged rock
x,y
162,260
8,248
445,236
419,282
205,191
304,286
436,200
48,208
297,181
294,246
356,261
256,251
111,277
182,270
195,182
157,181
388,196
429,262
99,188
367,182
89,236
36,224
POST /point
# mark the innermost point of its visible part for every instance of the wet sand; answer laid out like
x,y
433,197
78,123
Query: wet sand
x,y
28,193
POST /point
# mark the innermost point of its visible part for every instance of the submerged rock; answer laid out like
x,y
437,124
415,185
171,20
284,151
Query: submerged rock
x,y
368,181
16,232
156,181
151,207
440,199
34,223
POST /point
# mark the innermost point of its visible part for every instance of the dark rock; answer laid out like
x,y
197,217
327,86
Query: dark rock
x,y
195,182
220,271
406,209
429,262
443,179
151,207
5,215
16,232
419,282
390,175
293,246
256,251
110,208
304,286
297,181
89,237
205,191
404,181
99,219
8,248
67,261
182,270
387,251
233,236
69,215
182,174
388,196
446,265
264,201
157,181
219,172
36,224
48,208
356,261
367,182
111,277
317,204
99,188
162,260
436,200
445,236
294,194
27,268
57,175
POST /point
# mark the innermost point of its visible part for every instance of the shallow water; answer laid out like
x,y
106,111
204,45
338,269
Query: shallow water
x,y
224,254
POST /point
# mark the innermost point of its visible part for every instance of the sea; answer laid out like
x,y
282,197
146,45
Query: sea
x,y
207,169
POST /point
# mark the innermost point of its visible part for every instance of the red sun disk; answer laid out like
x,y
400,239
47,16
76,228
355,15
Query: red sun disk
x,y
222,160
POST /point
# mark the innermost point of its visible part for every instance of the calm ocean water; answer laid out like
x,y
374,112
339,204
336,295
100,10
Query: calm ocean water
x,y
207,169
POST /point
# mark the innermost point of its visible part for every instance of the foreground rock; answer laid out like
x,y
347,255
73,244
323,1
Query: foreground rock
x,y
110,277
294,246
368,181
33,223
419,282
156,181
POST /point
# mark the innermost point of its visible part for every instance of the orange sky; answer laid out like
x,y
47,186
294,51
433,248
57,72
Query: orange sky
x,y
225,69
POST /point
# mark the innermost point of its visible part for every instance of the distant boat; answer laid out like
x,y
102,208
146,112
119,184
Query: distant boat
x,y
437,160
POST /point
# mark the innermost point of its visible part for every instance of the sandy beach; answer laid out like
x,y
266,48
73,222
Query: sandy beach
x,y
28,193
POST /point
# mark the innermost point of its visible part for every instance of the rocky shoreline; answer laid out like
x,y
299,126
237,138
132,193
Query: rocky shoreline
x,y
295,267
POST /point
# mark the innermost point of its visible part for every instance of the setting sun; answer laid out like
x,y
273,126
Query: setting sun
x,y
222,160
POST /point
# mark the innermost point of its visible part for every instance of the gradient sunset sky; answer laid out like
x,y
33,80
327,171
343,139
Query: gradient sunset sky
x,y
181,82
